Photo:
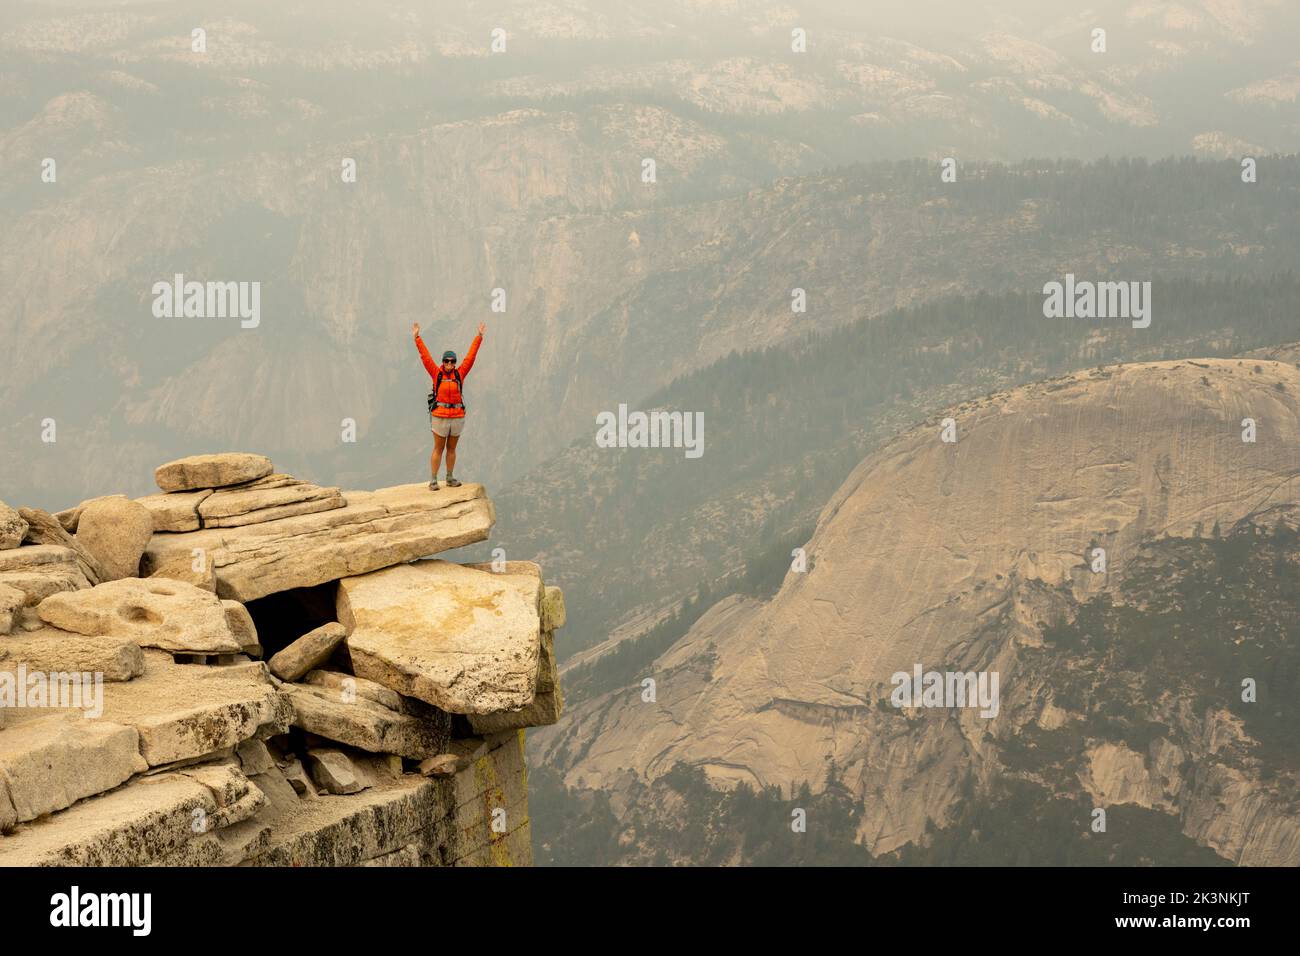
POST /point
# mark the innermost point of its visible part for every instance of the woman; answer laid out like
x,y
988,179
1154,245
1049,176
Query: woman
x,y
446,404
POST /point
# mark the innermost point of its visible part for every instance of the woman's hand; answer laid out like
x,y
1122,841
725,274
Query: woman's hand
x,y
481,328
415,328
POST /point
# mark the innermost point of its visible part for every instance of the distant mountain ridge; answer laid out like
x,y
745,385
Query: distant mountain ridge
x,y
928,555
787,424
593,318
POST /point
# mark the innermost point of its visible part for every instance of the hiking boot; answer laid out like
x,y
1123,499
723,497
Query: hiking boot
x,y
433,485
452,482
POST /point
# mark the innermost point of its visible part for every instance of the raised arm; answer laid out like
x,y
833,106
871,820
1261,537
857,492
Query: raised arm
x,y
468,364
430,365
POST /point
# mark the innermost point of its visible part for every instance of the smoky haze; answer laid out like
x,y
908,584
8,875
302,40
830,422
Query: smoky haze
x,y
945,297
517,170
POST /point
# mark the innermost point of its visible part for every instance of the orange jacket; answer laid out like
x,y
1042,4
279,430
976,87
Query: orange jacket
x,y
449,392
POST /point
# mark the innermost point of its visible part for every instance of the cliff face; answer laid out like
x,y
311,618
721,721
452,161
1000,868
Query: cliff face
x,y
249,669
964,556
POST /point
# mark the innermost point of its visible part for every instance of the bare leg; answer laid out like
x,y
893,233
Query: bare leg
x,y
435,459
451,454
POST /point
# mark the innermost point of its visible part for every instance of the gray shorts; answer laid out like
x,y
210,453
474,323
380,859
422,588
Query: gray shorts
x,y
448,427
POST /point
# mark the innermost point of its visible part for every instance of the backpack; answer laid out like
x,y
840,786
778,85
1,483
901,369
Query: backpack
x,y
433,395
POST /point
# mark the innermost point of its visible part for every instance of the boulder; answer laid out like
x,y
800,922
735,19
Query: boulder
x,y
333,771
443,765
211,471
374,530
282,801
184,711
33,556
44,528
52,650
241,625
365,724
12,527
154,613
307,652
69,517
150,820
178,511
116,531
38,570
36,584
464,640
236,800
51,760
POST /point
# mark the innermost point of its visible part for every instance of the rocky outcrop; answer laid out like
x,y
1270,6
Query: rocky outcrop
x,y
374,530
212,503
142,727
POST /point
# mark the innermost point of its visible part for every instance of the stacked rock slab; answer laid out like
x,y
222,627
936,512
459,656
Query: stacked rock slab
x,y
139,724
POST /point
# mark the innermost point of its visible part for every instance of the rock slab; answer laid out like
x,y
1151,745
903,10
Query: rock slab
x,y
178,511
267,499
38,570
376,529
366,724
464,640
44,528
50,649
155,612
308,652
51,761
211,471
